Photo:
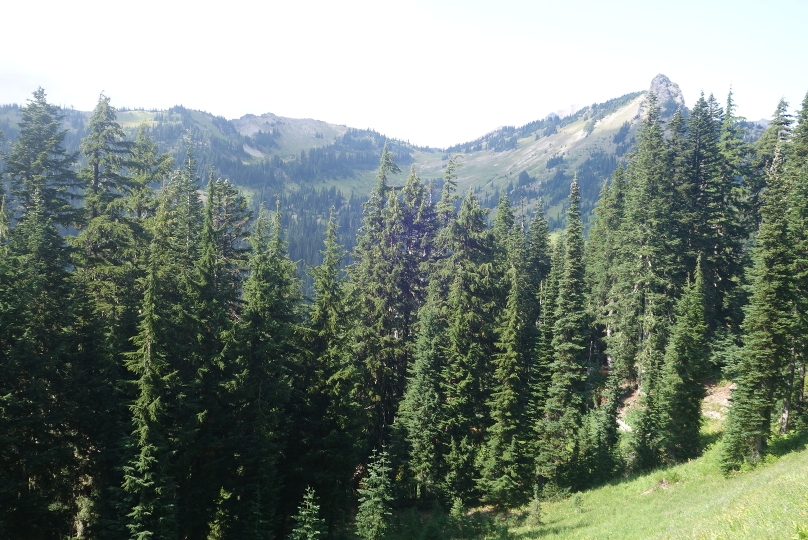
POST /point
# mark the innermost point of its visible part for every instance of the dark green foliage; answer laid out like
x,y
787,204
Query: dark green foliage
x,y
38,166
798,168
106,150
420,413
326,417
767,326
564,406
505,465
681,391
147,476
37,407
264,350
384,337
469,343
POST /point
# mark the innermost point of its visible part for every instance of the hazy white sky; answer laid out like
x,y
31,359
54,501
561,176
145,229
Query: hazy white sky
x,y
429,71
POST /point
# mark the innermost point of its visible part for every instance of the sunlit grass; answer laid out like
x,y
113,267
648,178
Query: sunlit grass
x,y
691,500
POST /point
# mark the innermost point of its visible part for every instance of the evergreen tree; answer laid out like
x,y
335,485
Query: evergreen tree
x,y
465,377
651,264
108,258
43,445
566,394
38,166
377,276
309,525
446,206
767,326
147,167
777,132
39,455
148,477
681,391
541,372
420,413
715,233
798,169
264,350
327,418
372,518
107,152
505,472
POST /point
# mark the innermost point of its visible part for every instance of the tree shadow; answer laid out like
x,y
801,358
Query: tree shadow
x,y
706,440
550,528
795,441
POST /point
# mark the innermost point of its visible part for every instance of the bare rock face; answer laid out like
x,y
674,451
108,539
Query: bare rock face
x,y
669,96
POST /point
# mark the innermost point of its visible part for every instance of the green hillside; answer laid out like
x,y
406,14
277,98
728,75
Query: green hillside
x,y
692,500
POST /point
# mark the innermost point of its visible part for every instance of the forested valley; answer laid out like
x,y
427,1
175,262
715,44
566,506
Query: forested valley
x,y
164,376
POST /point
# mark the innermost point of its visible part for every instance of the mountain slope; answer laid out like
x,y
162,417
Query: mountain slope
x,y
589,143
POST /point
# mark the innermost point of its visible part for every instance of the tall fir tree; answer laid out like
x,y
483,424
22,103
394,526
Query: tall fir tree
x,y
767,326
327,418
798,170
566,397
149,476
505,471
263,349
38,166
465,378
108,259
681,391
43,443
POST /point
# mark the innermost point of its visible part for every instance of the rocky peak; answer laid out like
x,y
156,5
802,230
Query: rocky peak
x,y
669,96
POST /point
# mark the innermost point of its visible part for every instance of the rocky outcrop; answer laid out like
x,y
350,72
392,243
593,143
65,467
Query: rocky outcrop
x,y
669,96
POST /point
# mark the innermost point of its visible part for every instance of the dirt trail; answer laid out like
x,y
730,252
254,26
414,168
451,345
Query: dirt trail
x,y
715,404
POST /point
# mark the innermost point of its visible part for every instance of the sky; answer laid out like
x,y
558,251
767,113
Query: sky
x,y
432,72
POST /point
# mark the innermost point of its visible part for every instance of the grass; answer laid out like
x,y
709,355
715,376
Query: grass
x,y
691,500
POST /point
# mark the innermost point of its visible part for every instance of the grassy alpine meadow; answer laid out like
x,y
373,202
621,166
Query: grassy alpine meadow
x,y
691,500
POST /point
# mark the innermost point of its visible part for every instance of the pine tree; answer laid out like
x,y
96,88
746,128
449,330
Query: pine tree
x,y
43,447
420,412
377,277
566,394
777,132
798,169
263,350
681,391
327,418
601,250
446,206
38,166
107,152
372,518
147,167
505,471
767,327
108,259
469,330
541,372
715,227
148,477
309,525
38,412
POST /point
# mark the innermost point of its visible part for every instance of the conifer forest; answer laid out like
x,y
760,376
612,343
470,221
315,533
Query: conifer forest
x,y
168,371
